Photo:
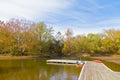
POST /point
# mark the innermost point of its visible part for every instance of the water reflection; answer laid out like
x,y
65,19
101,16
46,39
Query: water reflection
x,y
36,69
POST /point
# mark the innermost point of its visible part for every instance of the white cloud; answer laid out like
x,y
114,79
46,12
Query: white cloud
x,y
81,16
95,27
30,9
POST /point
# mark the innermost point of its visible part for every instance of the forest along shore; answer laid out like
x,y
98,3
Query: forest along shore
x,y
21,37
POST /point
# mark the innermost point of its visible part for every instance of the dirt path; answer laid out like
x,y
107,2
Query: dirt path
x,y
115,59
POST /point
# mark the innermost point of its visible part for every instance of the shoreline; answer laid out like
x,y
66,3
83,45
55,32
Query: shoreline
x,y
9,57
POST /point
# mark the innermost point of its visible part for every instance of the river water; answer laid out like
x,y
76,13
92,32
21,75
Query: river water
x,y
36,69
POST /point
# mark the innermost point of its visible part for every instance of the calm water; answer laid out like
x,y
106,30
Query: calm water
x,y
36,69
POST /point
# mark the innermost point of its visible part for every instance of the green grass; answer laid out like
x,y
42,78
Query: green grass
x,y
113,66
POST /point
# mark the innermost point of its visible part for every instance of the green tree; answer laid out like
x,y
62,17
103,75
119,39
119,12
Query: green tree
x,y
57,45
111,42
44,35
68,42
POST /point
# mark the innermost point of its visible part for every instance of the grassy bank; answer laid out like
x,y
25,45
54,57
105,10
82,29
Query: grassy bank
x,y
112,62
113,66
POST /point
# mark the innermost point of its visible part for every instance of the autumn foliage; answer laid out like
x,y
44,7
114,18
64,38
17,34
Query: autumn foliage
x,y
106,43
22,37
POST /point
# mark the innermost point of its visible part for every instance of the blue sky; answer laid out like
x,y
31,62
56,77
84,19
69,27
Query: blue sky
x,y
82,16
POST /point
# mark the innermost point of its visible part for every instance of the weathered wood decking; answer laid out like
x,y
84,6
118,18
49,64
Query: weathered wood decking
x,y
97,71
92,70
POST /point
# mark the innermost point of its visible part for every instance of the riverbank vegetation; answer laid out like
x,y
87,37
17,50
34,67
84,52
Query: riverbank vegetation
x,y
112,65
22,37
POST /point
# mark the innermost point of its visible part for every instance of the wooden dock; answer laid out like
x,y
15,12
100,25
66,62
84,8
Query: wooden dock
x,y
63,61
91,70
97,71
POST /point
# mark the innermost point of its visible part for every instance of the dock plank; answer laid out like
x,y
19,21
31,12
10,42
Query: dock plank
x,y
97,71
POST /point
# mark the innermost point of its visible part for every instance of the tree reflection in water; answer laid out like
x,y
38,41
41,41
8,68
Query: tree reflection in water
x,y
36,69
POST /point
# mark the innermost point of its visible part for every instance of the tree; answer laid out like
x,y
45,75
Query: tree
x,y
111,42
18,28
44,35
94,41
68,42
57,45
